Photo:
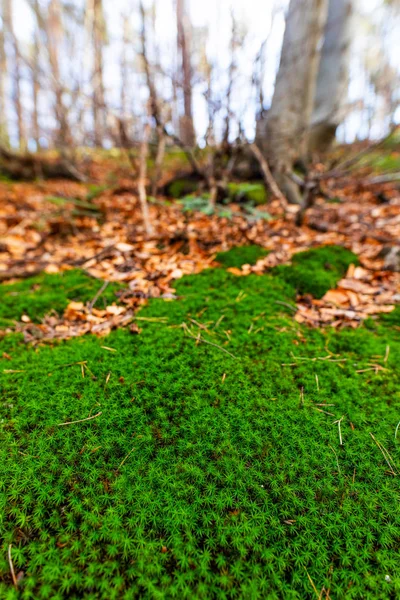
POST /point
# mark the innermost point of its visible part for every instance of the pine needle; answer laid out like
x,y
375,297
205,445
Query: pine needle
x,y
10,562
126,457
385,453
80,420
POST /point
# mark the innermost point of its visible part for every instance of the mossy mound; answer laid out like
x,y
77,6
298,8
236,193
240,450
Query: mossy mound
x,y
213,467
253,192
317,270
44,293
241,255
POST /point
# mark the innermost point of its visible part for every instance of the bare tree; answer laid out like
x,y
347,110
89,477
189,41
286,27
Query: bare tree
x,y
231,74
187,133
98,39
124,68
36,87
16,72
144,151
288,120
333,75
54,31
3,73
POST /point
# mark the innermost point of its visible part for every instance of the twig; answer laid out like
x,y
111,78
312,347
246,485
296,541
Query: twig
x,y
337,460
97,295
312,583
293,308
340,431
126,457
158,162
10,562
385,453
386,354
296,178
269,180
144,149
80,420
323,411
200,339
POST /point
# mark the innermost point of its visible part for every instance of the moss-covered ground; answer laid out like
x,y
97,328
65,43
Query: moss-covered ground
x,y
215,469
241,255
317,270
36,296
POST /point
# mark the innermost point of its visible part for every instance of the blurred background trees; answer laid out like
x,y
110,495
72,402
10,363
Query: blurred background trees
x,y
74,73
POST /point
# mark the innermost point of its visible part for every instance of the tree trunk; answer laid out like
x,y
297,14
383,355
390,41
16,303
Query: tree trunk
x,y
54,36
332,76
124,69
187,133
15,72
288,120
3,71
98,81
35,91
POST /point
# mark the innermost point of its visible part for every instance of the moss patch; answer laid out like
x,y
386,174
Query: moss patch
x,y
181,187
317,270
44,293
207,474
253,192
241,255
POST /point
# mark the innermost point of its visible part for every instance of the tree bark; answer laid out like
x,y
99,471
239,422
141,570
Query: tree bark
x,y
98,32
333,75
35,90
144,151
54,37
15,72
3,71
288,120
187,133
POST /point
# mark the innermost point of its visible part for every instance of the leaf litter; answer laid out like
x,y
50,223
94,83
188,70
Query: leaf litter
x,y
39,236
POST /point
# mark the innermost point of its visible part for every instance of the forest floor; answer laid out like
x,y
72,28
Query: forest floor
x,y
210,413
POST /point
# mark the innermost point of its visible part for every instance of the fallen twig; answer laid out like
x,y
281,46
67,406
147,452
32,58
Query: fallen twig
x,y
80,420
10,562
200,339
266,171
126,457
97,295
385,453
337,460
340,431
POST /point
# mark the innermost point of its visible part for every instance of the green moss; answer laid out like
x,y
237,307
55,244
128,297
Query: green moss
x,y
207,474
393,318
254,192
181,187
241,255
44,293
317,270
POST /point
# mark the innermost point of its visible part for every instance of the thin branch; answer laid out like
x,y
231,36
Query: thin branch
x,y
97,295
144,149
80,420
10,562
269,180
200,339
